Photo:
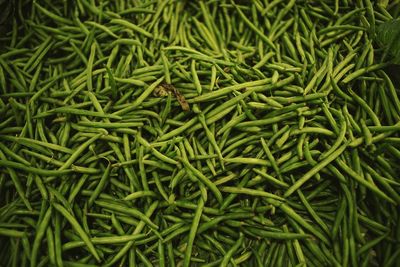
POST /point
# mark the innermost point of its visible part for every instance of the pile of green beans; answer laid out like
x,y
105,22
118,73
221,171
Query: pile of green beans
x,y
198,133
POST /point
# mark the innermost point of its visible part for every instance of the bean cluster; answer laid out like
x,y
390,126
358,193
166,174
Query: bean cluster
x,y
198,133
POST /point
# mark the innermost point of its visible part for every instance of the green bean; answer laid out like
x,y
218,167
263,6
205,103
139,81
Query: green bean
x,y
210,136
53,16
89,70
231,251
50,245
192,232
361,180
367,109
78,112
39,235
132,27
313,83
110,125
41,49
13,155
203,179
254,28
382,181
333,156
103,240
392,90
366,132
361,71
270,178
140,99
11,233
140,194
102,183
250,161
85,238
312,212
264,122
248,191
227,90
156,153
196,80
270,156
275,235
129,211
19,166
102,27
130,81
77,152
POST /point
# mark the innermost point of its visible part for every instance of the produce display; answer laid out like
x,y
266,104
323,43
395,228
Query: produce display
x,y
199,133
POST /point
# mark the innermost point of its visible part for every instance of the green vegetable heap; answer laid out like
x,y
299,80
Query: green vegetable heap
x,y
199,133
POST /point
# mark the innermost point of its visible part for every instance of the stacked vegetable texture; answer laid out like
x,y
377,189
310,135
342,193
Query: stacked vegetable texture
x,y
199,133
